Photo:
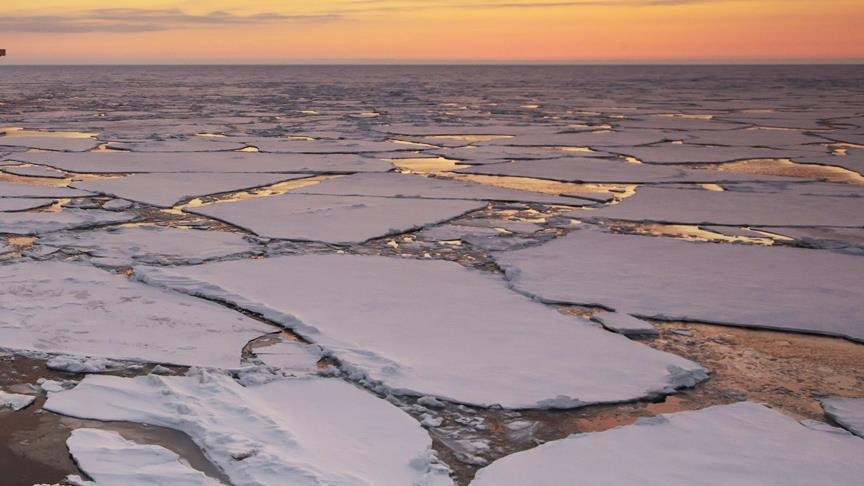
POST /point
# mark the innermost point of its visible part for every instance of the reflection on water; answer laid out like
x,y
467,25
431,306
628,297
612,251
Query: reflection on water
x,y
541,185
713,187
250,148
272,190
569,149
412,144
787,168
21,132
106,147
632,160
469,138
426,165
212,135
686,232
695,116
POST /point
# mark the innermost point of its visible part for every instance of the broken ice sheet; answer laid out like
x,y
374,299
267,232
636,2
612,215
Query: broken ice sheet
x,y
13,189
625,324
690,154
75,309
742,444
166,190
334,219
290,355
141,162
35,223
50,143
291,431
15,401
436,328
796,206
152,244
35,171
107,458
23,203
579,169
847,412
394,185
774,287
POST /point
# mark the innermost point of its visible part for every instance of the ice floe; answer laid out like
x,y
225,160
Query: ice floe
x,y
75,309
15,401
109,459
50,143
776,287
166,190
133,162
692,154
436,328
12,189
847,412
35,171
578,169
35,223
23,203
417,186
790,207
291,431
334,219
742,444
625,324
81,364
152,244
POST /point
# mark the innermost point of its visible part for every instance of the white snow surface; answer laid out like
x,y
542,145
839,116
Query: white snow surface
x,y
15,401
293,431
152,244
774,287
124,162
395,185
436,328
847,412
30,223
109,459
166,190
81,364
291,356
744,444
74,309
790,207
334,219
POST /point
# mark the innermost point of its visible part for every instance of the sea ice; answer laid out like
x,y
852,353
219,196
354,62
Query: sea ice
x,y
436,328
742,444
30,223
15,401
196,144
775,287
291,431
790,207
35,171
152,244
692,154
22,203
50,143
125,162
291,356
397,185
166,190
109,459
81,364
13,189
753,137
847,412
75,309
334,219
578,169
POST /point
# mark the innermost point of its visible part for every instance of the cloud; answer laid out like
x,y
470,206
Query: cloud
x,y
143,20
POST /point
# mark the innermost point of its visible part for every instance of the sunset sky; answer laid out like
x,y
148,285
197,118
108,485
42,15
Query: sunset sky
x,y
279,31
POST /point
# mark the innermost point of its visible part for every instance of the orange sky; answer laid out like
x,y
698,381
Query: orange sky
x,y
274,31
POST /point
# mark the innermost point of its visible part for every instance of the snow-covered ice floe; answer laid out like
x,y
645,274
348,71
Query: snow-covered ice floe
x,y
35,223
14,189
75,309
50,143
166,190
23,203
741,444
126,162
775,287
109,459
152,244
292,431
334,219
436,328
809,205
15,401
847,412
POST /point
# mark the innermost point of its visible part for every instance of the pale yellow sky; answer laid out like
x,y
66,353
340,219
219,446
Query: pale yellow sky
x,y
177,31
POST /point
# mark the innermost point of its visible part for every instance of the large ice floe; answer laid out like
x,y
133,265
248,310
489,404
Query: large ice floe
x,y
776,287
109,459
166,190
436,328
135,162
75,309
689,154
23,203
334,219
397,185
152,244
35,223
742,444
847,412
13,189
814,205
50,143
579,169
291,431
